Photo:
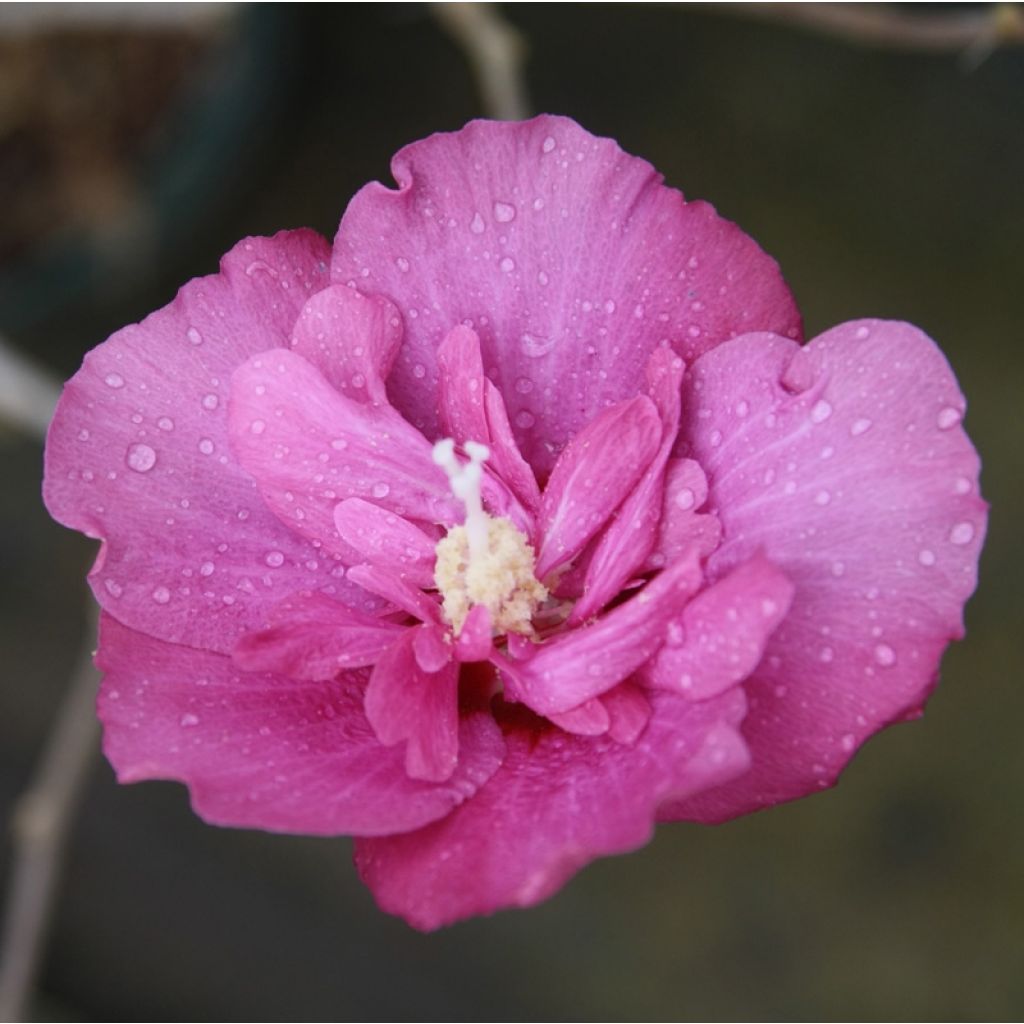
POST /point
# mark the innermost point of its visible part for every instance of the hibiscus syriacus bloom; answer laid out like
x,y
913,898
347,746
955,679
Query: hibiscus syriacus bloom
x,y
514,523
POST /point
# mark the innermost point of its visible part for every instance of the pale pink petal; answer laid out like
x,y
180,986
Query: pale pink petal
x,y
432,645
567,671
308,447
589,719
138,456
593,475
406,703
682,526
386,539
845,463
568,257
624,546
722,633
557,802
264,751
352,339
475,642
313,636
629,710
397,590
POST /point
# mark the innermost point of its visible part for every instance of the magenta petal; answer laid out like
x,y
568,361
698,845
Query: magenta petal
x,y
264,751
682,526
846,464
569,258
475,642
386,539
138,455
557,802
313,636
505,455
407,703
623,548
352,339
723,632
432,646
629,711
593,475
567,671
396,589
308,447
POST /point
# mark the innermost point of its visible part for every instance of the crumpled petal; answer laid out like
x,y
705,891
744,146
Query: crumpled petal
x,y
557,802
406,702
386,539
570,669
313,636
845,463
568,257
139,457
308,447
352,339
722,632
624,546
264,751
682,525
592,477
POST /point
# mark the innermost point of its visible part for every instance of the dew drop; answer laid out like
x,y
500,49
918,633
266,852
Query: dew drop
x,y
206,569
685,499
257,426
524,385
534,346
210,401
926,557
862,333
206,446
504,212
165,423
274,559
381,490
161,595
194,336
821,411
403,264
859,426
84,435
962,533
542,278
188,720
822,498
948,418
826,654
885,655
525,419
476,225
962,485
141,458
548,144
419,371
114,589
507,265
114,380
339,444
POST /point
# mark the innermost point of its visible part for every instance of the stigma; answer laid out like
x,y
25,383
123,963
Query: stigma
x,y
487,561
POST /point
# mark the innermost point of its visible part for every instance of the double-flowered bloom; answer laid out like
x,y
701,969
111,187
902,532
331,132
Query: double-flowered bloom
x,y
514,523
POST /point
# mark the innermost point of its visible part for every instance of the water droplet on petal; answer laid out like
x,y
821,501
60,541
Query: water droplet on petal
x,y
165,423
859,426
274,559
206,569
962,533
381,490
114,589
885,655
206,446
114,380
548,144
188,720
194,336
507,265
476,225
821,411
948,418
141,458
926,557
403,264
685,499
504,212
210,401
534,345
257,426
525,419
161,595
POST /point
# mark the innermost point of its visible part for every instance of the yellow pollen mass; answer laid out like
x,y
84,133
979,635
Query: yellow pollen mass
x,y
499,576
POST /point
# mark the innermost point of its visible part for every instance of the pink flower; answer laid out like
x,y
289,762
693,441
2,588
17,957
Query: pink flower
x,y
700,564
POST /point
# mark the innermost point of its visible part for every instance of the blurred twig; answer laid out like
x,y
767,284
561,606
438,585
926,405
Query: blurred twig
x,y
975,31
28,394
496,52
40,828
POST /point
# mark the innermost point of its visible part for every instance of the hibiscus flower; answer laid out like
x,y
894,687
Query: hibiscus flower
x,y
515,522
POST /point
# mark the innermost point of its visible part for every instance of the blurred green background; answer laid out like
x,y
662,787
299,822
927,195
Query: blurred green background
x,y
887,183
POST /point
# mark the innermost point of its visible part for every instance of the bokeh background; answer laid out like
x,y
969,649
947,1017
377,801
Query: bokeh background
x,y
134,151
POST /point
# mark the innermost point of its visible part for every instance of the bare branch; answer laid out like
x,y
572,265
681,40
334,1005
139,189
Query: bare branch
x,y
41,824
495,50
28,394
881,26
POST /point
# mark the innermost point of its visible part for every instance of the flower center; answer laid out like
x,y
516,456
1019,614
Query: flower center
x,y
487,561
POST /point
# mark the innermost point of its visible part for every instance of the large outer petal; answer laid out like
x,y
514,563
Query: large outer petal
x,y
845,463
569,258
138,455
557,802
263,751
